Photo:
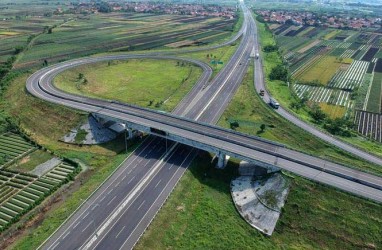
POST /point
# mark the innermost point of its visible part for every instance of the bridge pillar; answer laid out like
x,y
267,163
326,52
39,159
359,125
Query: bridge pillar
x,y
129,133
222,160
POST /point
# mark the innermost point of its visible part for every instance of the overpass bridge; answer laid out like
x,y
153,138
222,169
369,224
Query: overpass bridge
x,y
208,137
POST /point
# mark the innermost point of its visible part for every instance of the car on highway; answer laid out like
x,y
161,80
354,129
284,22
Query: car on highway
x,y
261,93
274,103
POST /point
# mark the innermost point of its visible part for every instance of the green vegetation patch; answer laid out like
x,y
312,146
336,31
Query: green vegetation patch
x,y
200,214
158,84
29,162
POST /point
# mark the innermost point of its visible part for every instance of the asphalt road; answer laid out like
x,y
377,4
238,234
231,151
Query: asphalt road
x,y
117,214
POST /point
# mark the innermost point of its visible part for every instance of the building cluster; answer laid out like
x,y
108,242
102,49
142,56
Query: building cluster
x,y
151,7
182,9
308,18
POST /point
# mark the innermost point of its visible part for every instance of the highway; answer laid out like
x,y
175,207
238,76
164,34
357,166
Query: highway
x,y
142,173
116,215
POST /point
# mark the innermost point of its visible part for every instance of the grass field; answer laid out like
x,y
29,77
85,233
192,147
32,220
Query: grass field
x,y
322,71
159,84
333,111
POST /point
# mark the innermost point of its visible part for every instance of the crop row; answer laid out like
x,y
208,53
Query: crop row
x,y
13,146
323,94
347,53
369,55
351,77
369,124
22,192
309,61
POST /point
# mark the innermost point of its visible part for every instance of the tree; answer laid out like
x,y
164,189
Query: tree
x,y
279,73
18,49
234,125
262,128
80,76
270,48
317,114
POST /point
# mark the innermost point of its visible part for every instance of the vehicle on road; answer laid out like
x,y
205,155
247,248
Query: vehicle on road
x,y
257,55
261,92
274,103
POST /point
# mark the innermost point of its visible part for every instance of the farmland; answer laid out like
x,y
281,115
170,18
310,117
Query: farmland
x,y
20,192
338,69
124,32
12,147
56,37
339,65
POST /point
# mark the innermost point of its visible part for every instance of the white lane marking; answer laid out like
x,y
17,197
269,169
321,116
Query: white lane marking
x,y
131,180
55,245
123,178
148,210
110,191
63,237
75,225
87,226
86,215
120,232
116,185
102,198
128,199
158,183
171,166
141,204
111,201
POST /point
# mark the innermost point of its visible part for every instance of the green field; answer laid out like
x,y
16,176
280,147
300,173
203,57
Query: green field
x,y
374,102
159,84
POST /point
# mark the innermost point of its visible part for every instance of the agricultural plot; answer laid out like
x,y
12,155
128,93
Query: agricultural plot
x,y
374,102
322,70
350,78
347,53
20,192
346,61
369,55
369,124
125,32
13,146
305,62
323,95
